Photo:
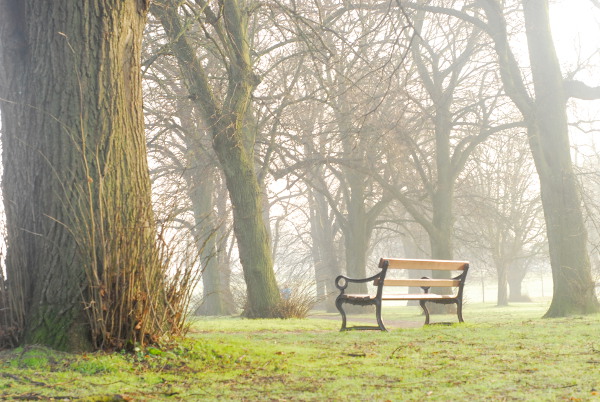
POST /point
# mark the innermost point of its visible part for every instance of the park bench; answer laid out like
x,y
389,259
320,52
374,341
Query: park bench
x,y
380,282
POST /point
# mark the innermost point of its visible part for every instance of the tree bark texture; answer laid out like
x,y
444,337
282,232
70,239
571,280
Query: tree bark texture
x,y
72,139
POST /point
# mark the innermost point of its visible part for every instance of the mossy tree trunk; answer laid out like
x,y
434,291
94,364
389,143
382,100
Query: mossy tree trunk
x,y
225,114
73,145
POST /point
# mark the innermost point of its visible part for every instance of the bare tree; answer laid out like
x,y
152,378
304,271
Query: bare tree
x,y
225,109
503,211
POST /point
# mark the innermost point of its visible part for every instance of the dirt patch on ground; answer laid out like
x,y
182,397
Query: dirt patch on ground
x,y
389,324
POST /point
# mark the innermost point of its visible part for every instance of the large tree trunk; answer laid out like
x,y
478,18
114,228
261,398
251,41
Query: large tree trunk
x,y
549,141
248,223
73,154
547,131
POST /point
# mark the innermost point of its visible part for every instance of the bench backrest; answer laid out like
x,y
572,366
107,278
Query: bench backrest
x,y
434,265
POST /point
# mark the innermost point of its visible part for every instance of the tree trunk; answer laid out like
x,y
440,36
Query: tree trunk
x,y
516,274
323,250
356,237
73,150
248,223
502,270
547,131
231,144
200,180
561,200
355,226
201,190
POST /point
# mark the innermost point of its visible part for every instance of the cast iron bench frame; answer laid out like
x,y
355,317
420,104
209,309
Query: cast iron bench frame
x,y
379,280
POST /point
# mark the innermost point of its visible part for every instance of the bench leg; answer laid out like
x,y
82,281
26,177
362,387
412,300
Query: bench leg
x,y
338,304
459,311
424,307
378,315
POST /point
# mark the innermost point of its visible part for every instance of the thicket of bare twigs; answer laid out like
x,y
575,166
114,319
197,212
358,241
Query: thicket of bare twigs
x,y
296,302
138,287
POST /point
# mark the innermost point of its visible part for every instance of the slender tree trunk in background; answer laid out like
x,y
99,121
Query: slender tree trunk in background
x,y
231,145
441,238
356,237
502,270
323,250
201,191
516,274
73,142
442,222
355,226
322,226
200,179
546,118
223,257
441,85
442,195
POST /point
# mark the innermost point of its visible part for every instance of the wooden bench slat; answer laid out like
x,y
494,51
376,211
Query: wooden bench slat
x,y
428,296
436,265
421,282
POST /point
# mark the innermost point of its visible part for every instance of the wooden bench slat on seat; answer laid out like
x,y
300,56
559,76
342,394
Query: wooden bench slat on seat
x,y
420,282
437,265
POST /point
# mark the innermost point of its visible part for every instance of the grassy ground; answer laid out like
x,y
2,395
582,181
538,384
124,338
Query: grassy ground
x,y
499,354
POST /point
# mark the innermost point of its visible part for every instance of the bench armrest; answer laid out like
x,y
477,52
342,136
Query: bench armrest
x,y
341,282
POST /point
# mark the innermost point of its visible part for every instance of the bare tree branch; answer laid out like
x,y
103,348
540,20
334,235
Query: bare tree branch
x,y
580,90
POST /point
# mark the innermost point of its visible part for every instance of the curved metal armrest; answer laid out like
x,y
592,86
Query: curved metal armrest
x,y
341,286
461,276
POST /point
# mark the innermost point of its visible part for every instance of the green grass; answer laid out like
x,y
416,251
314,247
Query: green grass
x,y
499,354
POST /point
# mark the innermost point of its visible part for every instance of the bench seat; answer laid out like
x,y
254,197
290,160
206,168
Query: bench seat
x,y
391,297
